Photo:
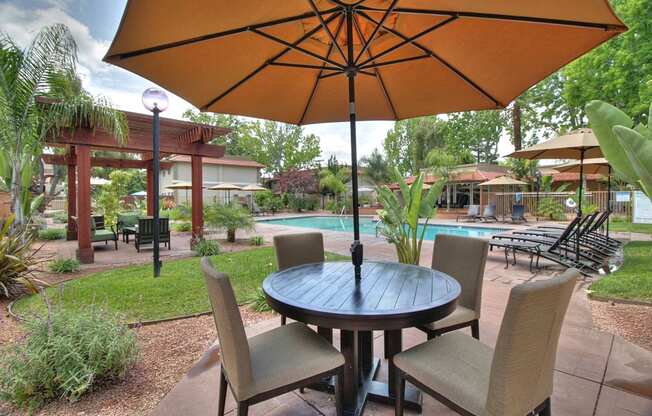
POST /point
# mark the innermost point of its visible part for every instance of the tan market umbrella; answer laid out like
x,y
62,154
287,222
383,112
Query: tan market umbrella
x,y
254,187
503,180
318,61
181,185
228,187
579,144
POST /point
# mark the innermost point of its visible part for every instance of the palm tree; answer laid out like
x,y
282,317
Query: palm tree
x,y
46,68
376,168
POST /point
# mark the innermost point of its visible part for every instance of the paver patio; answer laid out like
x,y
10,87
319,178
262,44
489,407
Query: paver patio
x,y
596,373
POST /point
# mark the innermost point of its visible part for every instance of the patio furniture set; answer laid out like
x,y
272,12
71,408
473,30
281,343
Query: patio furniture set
x,y
581,244
459,371
129,224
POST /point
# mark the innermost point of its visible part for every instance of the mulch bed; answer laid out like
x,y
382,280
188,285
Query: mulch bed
x,y
632,322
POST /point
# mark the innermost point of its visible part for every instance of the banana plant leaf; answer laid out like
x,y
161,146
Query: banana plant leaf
x,y
638,150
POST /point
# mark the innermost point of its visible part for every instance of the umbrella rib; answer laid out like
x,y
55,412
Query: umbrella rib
x,y
326,29
265,64
378,76
410,39
305,66
395,61
318,77
440,60
216,35
297,48
367,43
493,16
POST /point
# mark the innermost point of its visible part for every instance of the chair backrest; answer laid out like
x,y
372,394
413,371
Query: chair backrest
x,y
474,210
524,359
570,230
145,227
127,220
463,258
296,249
163,225
489,211
600,221
518,211
234,347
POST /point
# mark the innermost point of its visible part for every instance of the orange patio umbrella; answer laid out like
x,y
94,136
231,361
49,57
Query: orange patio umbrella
x,y
318,61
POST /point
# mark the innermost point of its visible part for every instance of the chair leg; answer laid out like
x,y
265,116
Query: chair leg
x,y
339,392
283,320
222,393
400,393
547,408
116,243
431,335
475,329
243,408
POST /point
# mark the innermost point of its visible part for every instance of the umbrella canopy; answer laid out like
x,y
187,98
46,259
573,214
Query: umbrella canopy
x,y
578,144
503,180
99,181
180,185
318,61
225,187
254,187
597,165
139,193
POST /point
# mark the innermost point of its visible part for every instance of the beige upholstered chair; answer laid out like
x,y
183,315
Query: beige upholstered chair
x,y
269,364
464,259
297,249
514,379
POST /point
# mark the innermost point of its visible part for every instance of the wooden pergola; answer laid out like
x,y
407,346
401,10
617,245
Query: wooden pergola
x,y
176,137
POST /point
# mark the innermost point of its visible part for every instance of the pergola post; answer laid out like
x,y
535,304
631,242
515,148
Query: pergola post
x,y
71,231
197,198
150,190
85,250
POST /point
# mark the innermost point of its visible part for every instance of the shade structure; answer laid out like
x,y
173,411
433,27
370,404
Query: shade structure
x,y
181,185
227,187
503,180
254,187
318,61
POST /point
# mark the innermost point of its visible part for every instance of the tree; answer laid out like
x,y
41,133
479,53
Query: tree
x,y
230,217
237,141
109,196
408,143
476,132
38,71
376,168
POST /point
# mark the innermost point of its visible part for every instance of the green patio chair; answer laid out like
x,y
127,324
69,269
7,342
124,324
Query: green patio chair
x,y
100,233
145,232
127,225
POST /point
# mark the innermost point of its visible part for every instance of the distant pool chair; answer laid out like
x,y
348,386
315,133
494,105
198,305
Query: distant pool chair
x,y
472,214
464,259
489,213
518,213
297,249
515,378
269,364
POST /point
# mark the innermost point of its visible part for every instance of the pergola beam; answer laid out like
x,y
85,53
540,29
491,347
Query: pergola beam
x,y
104,162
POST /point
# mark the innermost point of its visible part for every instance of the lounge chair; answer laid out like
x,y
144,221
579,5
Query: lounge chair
x,y
489,213
594,232
472,214
100,233
533,249
127,225
464,259
518,213
297,249
269,364
145,232
515,378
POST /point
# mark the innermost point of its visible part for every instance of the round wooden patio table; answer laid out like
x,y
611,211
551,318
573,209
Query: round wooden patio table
x,y
388,297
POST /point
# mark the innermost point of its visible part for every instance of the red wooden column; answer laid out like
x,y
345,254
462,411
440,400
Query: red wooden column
x,y
197,198
71,233
85,250
150,189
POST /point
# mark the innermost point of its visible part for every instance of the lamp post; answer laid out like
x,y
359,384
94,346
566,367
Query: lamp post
x,y
155,100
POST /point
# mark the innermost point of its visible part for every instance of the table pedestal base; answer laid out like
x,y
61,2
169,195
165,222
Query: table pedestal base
x,y
376,391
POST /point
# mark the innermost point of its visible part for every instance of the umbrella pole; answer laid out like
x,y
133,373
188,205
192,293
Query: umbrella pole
x,y
579,205
608,199
356,247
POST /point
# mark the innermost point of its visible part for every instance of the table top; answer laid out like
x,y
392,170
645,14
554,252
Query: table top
x,y
388,296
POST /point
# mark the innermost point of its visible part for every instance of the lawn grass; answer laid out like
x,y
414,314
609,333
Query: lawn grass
x,y
634,280
628,227
133,292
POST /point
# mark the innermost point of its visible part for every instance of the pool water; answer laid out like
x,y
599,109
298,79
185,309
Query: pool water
x,y
367,226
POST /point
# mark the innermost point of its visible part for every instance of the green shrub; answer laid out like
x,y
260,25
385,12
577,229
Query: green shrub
x,y
257,240
62,265
182,212
302,203
60,217
205,248
17,260
182,227
229,217
65,355
258,302
549,208
52,234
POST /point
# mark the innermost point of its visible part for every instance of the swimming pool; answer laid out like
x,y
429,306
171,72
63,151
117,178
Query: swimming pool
x,y
367,226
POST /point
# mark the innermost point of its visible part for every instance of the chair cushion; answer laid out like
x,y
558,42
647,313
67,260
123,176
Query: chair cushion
x,y
459,316
102,235
288,354
454,365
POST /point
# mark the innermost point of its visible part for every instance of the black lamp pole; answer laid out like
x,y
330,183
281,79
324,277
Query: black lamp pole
x,y
156,170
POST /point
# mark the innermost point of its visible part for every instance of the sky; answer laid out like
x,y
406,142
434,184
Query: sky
x,y
93,23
